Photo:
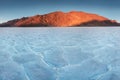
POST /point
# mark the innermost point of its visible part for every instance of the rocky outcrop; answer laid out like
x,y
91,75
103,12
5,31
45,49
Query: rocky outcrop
x,y
61,19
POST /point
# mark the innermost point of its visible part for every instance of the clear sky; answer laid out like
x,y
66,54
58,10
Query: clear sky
x,y
12,9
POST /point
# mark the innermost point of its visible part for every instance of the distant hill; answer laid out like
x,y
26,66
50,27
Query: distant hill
x,y
61,19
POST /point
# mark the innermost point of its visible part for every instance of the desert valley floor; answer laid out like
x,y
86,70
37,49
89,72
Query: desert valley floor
x,y
60,53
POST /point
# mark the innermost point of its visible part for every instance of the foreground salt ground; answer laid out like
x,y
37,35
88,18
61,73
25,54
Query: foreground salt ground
x,y
60,53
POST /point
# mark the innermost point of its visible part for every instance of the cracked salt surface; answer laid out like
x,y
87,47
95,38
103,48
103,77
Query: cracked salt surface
x,y
60,53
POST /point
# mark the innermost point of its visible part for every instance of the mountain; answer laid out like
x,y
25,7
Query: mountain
x,y
61,19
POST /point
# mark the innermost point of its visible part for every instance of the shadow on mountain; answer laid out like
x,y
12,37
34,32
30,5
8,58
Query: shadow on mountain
x,y
99,23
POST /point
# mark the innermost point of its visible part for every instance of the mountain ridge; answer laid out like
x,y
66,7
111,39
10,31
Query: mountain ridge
x,y
62,19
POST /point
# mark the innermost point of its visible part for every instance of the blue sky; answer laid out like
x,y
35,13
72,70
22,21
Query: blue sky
x,y
12,9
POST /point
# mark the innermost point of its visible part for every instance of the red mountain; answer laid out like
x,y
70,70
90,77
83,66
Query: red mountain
x,y
61,19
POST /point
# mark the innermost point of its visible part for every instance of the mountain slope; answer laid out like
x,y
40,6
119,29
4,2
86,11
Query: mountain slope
x,y
61,19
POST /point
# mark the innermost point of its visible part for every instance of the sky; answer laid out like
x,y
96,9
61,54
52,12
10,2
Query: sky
x,y
12,9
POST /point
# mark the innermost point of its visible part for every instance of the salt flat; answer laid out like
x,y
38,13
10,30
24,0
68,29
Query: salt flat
x,y
74,53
